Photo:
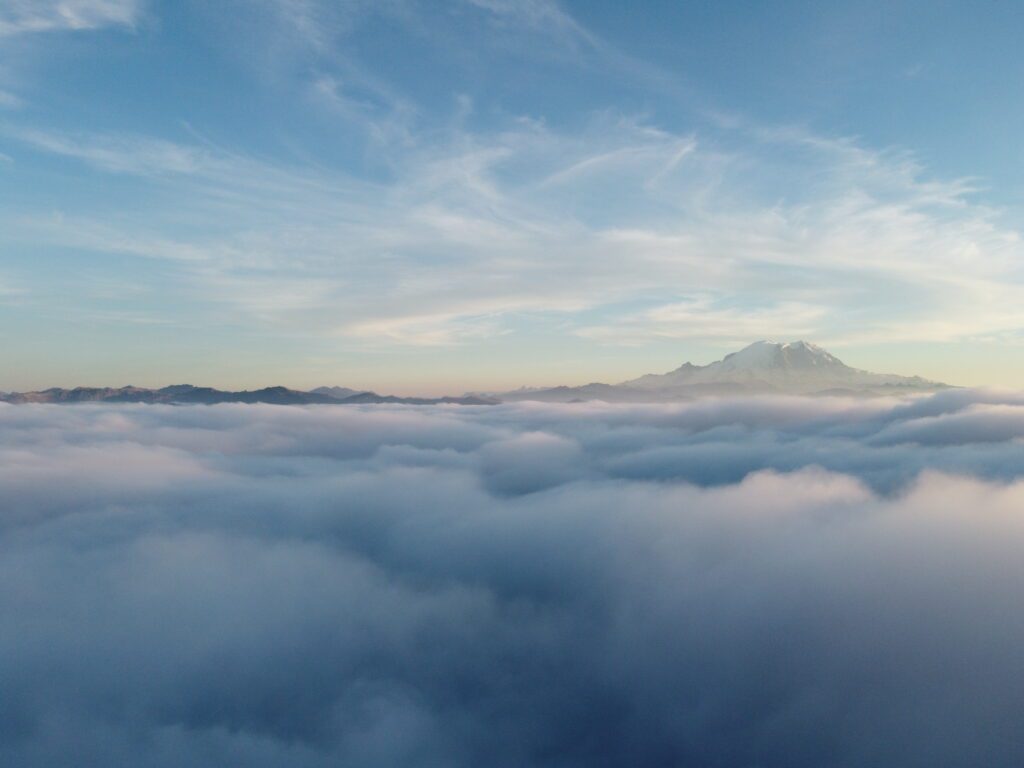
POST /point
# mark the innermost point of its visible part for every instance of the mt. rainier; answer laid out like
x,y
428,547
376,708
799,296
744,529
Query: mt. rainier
x,y
763,367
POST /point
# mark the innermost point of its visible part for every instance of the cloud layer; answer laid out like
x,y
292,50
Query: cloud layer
x,y
724,583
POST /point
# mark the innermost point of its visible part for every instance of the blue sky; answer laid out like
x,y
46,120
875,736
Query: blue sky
x,y
484,193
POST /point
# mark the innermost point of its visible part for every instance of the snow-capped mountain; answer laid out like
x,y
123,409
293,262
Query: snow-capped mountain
x,y
797,367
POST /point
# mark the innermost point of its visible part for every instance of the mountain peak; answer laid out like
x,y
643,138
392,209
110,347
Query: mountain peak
x,y
796,367
792,355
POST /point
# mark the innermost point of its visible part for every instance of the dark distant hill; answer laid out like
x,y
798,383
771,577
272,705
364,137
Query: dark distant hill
x,y
186,394
373,397
338,393
353,396
178,393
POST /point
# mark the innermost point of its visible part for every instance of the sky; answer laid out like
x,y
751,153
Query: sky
x,y
480,194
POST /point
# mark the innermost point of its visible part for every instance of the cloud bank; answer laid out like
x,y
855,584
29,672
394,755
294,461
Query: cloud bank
x,y
723,583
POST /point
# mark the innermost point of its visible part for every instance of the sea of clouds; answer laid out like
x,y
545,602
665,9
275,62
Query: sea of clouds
x,y
735,583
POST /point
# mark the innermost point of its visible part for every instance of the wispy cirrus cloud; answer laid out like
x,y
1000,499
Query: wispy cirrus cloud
x,y
705,318
544,17
29,16
138,155
8,289
479,228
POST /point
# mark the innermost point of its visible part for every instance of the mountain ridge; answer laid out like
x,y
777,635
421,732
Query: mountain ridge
x,y
764,367
187,394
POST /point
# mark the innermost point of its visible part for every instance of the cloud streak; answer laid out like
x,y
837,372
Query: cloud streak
x,y
767,581
626,234
28,16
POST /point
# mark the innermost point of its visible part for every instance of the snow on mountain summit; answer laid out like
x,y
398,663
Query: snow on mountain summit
x,y
769,355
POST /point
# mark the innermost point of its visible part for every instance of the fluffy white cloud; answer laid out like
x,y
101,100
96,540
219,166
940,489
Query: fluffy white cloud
x,y
768,581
